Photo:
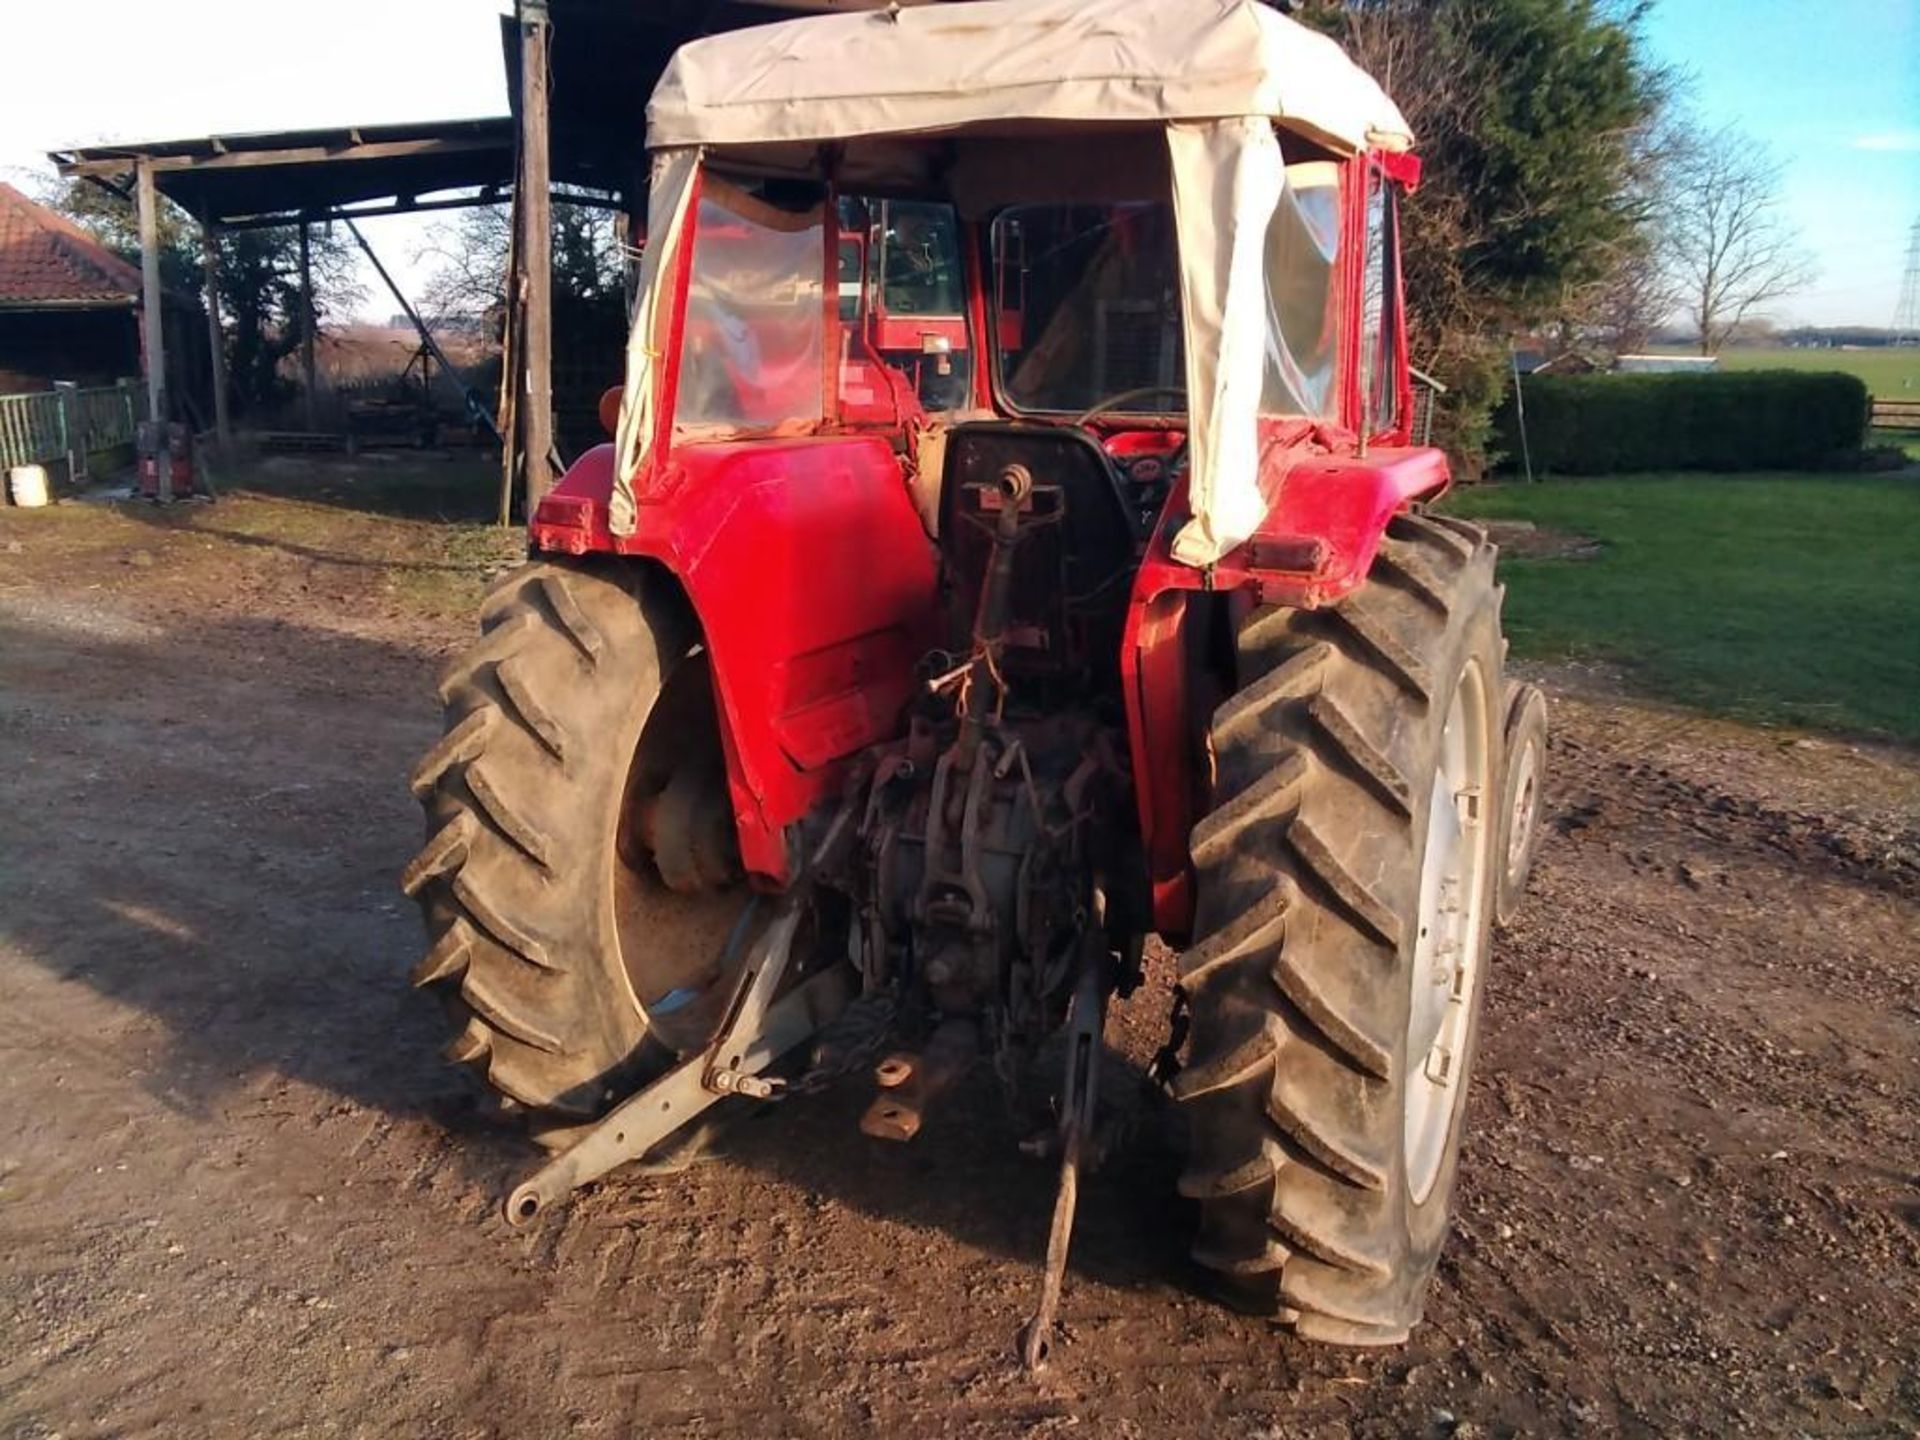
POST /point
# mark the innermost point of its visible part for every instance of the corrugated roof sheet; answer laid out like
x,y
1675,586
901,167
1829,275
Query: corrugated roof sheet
x,y
45,259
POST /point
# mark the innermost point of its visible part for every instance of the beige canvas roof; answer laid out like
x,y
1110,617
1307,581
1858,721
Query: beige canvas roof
x,y
1201,82
939,67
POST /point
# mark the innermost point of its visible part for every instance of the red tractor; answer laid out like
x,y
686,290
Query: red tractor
x,y
962,602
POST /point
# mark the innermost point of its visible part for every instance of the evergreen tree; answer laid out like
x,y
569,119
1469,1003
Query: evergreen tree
x,y
1530,117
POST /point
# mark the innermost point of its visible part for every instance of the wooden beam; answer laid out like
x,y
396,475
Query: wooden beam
x,y
125,189
216,340
489,195
153,327
533,203
293,155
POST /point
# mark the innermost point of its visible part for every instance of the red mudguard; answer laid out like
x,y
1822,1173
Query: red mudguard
x,y
816,591
1315,547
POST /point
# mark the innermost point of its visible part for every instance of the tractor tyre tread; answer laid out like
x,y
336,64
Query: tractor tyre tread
x,y
1307,889
523,796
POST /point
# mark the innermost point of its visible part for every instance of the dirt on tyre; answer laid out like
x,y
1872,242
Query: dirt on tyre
x,y
1345,900
564,961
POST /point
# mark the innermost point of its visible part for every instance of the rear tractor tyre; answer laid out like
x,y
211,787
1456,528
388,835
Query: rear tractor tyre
x,y
1346,884
1520,794
551,937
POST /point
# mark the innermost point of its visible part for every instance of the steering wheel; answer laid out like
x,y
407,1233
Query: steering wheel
x,y
1177,456
1114,402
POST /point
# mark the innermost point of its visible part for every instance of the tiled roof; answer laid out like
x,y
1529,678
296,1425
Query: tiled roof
x,y
46,259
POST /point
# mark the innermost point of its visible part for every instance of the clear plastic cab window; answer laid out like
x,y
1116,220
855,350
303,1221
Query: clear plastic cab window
x,y
752,345
1303,321
1088,308
1379,309
756,353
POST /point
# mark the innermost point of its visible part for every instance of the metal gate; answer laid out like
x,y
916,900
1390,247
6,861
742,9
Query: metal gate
x,y
67,423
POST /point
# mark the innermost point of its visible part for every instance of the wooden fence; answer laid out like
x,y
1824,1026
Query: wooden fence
x,y
1892,414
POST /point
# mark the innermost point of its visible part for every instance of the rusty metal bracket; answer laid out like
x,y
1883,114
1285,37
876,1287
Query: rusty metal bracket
x,y
909,1084
757,1031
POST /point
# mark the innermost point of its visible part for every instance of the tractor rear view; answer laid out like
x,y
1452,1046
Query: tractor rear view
x,y
1011,548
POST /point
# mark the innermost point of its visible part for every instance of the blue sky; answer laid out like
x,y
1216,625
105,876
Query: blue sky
x,y
1831,86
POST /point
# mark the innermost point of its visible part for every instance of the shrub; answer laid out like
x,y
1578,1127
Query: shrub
x,y
1748,420
1474,371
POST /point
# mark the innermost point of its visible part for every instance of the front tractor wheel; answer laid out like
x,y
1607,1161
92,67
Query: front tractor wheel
x,y
1347,878
576,879
1526,759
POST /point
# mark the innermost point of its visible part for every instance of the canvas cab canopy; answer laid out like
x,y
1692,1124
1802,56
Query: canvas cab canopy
x,y
990,102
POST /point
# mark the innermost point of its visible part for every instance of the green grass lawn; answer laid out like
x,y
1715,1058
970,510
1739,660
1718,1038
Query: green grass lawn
x,y
1907,440
1788,599
1891,373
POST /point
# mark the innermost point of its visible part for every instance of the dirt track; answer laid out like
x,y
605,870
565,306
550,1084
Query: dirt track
x,y
240,1195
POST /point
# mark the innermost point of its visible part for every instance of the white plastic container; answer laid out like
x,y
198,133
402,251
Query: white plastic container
x,y
27,485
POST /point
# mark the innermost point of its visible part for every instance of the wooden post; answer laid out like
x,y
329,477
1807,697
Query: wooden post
x,y
306,323
216,343
533,200
632,229
72,440
508,424
153,326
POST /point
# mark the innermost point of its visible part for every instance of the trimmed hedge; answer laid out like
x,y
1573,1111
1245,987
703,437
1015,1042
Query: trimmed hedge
x,y
1743,420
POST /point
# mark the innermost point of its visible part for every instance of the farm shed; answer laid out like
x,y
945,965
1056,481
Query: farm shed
x,y
69,307
578,75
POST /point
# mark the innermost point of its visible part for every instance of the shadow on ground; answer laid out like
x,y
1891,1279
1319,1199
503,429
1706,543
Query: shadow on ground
x,y
965,1173
209,831
451,486
346,550
215,828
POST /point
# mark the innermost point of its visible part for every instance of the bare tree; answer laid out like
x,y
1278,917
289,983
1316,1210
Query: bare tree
x,y
1526,203
1730,249
1636,300
1634,291
469,256
468,281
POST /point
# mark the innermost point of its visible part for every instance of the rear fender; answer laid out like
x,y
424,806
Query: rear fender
x,y
816,592
1314,548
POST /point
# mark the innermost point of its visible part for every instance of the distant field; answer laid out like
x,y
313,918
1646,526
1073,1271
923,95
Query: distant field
x,y
1894,373
1779,598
